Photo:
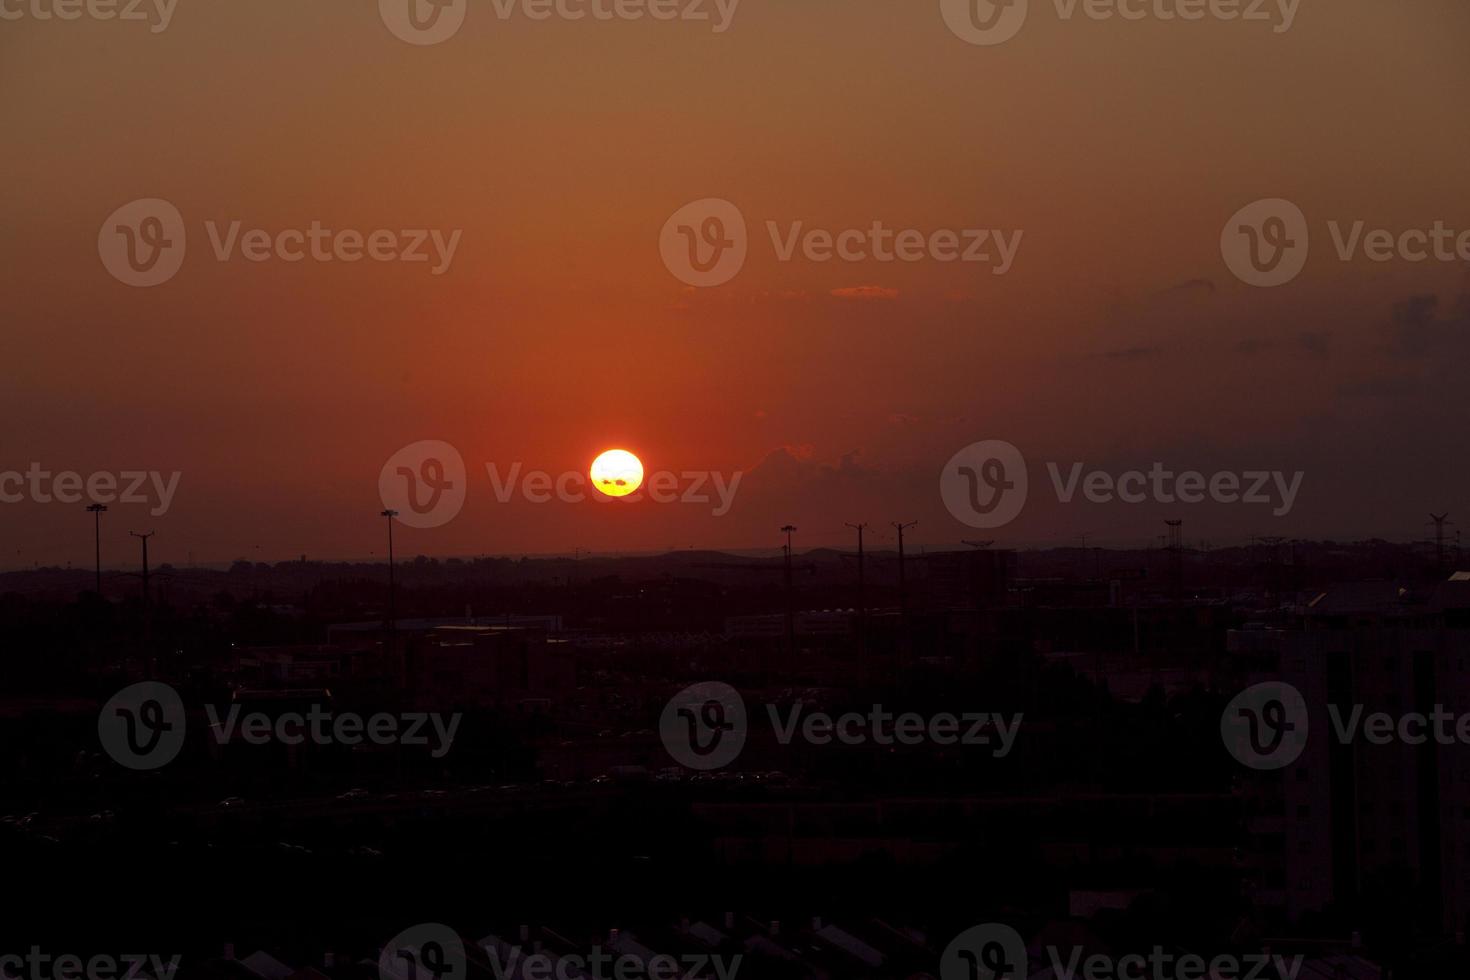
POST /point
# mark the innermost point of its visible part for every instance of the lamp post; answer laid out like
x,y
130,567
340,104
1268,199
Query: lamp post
x,y
392,614
97,510
790,600
143,537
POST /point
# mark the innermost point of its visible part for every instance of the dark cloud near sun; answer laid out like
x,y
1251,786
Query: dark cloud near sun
x,y
865,293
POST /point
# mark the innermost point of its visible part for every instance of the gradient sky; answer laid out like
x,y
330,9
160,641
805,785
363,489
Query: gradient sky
x,y
560,149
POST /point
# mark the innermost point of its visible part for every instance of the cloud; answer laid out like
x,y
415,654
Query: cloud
x,y
865,293
792,467
1417,330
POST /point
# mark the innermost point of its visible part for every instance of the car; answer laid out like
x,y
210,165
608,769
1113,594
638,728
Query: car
x,y
353,795
231,802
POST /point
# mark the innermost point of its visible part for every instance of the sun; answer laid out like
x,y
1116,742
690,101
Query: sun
x,y
617,473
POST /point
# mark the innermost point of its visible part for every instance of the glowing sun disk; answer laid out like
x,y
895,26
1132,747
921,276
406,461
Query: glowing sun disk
x,y
617,473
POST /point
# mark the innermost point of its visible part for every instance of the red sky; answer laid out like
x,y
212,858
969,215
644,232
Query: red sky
x,y
559,149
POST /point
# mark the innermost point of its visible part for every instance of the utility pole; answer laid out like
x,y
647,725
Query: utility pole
x,y
390,513
790,600
97,510
903,587
147,609
905,637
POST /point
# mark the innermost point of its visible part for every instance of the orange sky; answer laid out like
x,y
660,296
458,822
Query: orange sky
x,y
559,149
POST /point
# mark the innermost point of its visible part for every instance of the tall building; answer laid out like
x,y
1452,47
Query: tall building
x,y
1352,822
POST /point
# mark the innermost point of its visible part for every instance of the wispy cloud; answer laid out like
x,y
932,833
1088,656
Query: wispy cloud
x,y
865,293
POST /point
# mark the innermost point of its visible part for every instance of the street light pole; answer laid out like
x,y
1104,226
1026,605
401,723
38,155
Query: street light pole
x,y
392,613
147,608
97,510
790,601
